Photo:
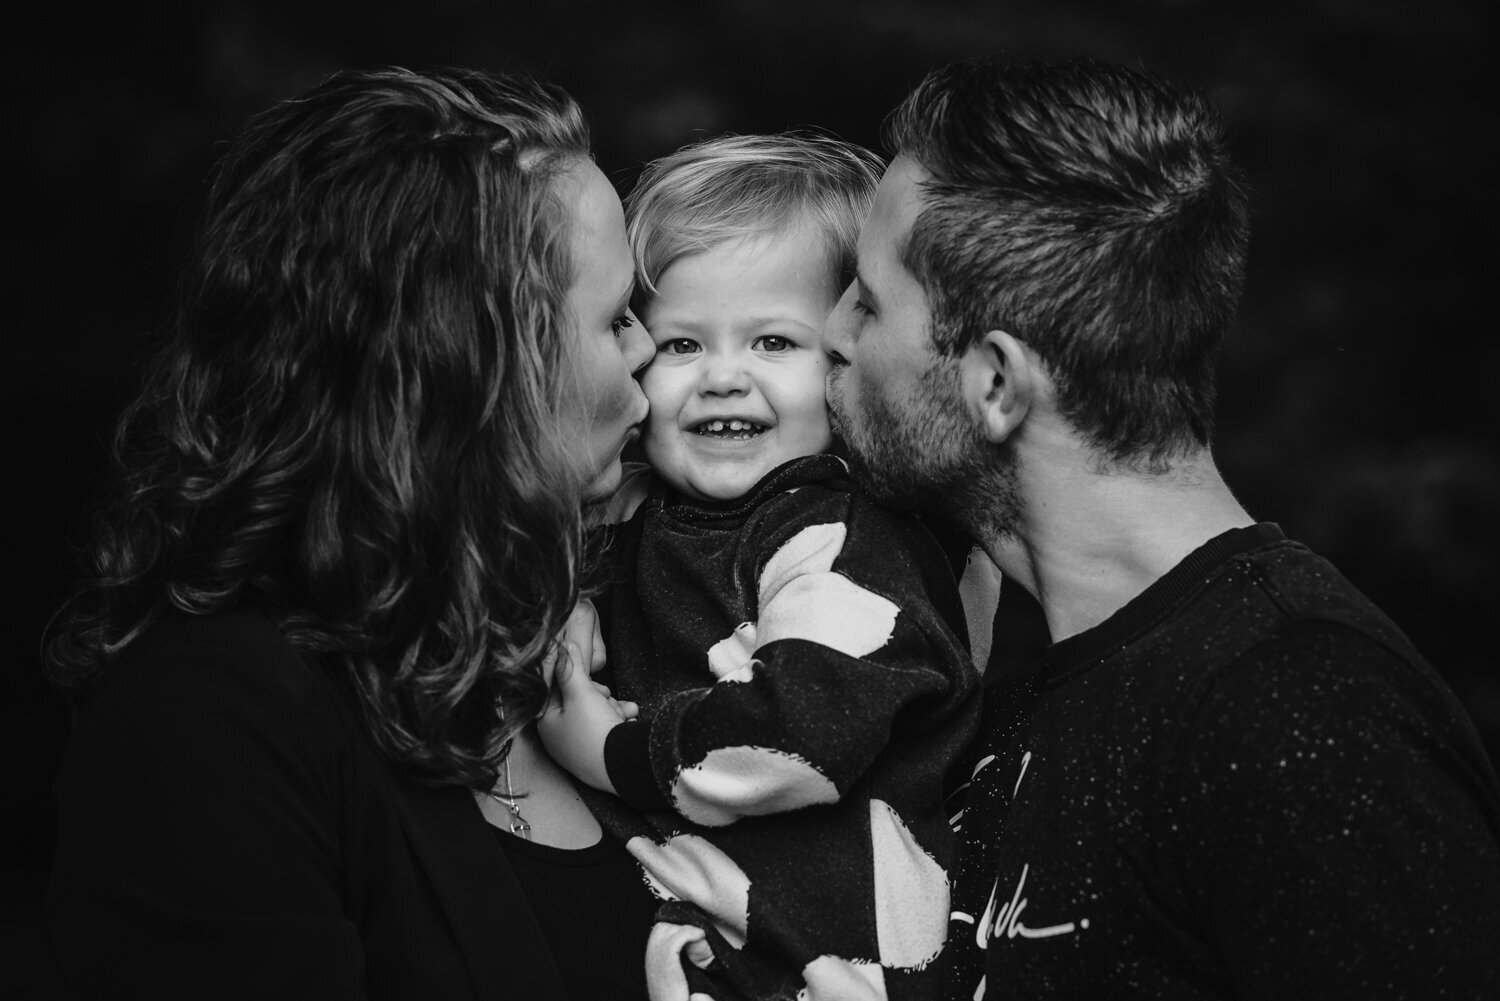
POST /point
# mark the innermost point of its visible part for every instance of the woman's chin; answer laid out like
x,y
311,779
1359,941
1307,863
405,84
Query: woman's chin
x,y
605,483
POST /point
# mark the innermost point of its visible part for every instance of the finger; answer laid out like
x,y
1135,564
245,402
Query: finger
x,y
551,663
568,683
598,651
628,710
699,952
580,629
583,621
665,979
566,655
554,669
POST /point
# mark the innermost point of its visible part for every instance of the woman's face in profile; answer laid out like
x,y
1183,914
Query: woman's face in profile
x,y
603,406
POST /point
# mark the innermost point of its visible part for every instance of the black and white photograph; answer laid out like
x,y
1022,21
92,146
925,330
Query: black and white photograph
x,y
778,501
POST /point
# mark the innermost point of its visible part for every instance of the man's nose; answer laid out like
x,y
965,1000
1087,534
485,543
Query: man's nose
x,y
838,340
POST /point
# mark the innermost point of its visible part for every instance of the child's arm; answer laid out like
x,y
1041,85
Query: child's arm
x,y
850,649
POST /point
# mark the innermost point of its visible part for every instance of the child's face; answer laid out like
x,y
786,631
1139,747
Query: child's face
x,y
739,338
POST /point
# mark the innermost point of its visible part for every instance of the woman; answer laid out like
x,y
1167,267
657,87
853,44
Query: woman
x,y
344,544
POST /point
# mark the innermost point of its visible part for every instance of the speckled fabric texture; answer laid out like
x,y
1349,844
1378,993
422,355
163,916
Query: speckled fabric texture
x,y
804,682
1244,784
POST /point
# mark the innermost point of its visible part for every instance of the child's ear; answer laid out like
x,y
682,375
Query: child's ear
x,y
1000,377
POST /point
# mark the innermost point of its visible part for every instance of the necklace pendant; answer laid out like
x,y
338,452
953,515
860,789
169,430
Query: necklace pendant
x,y
520,828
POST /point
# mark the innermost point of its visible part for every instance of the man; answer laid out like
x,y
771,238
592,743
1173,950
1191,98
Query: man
x,y
1229,775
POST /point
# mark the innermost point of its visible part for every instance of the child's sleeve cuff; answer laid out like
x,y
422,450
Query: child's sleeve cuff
x,y
627,759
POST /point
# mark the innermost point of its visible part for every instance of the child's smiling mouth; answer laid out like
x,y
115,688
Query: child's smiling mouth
x,y
733,429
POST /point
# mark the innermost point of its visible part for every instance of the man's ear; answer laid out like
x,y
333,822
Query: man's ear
x,y
1001,378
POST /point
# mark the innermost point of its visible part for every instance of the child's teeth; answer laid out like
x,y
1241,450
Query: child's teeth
x,y
734,426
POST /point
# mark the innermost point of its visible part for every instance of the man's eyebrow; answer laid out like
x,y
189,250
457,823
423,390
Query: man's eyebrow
x,y
864,285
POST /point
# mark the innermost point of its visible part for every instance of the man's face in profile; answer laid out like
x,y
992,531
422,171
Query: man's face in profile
x,y
897,403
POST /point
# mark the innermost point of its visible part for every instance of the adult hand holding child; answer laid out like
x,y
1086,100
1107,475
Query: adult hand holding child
x,y
582,711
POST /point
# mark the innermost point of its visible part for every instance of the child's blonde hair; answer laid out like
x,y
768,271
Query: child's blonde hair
x,y
723,189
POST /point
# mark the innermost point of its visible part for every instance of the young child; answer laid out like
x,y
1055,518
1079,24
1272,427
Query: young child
x,y
794,648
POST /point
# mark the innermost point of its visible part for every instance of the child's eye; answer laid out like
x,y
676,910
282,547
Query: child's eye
x,y
773,343
621,323
677,346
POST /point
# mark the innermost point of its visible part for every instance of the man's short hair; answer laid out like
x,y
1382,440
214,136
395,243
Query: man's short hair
x,y
710,193
1092,212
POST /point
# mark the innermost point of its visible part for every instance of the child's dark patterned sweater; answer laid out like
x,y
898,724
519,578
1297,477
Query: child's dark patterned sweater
x,y
804,688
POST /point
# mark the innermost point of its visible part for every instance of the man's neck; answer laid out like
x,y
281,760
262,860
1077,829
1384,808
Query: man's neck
x,y
1090,540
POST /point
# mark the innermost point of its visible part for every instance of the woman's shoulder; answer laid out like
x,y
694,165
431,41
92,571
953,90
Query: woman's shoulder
x,y
243,638
243,630
213,674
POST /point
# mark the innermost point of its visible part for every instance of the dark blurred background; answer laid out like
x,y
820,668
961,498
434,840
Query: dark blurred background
x,y
1356,389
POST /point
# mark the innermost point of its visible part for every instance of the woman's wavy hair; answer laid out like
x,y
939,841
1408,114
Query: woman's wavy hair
x,y
354,423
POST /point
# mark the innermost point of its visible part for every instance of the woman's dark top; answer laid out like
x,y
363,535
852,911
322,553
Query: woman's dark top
x,y
227,830
593,906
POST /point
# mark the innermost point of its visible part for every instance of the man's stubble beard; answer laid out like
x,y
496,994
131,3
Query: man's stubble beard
x,y
928,455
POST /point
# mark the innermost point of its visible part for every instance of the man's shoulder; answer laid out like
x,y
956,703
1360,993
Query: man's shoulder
x,y
1270,621
1280,636
1307,595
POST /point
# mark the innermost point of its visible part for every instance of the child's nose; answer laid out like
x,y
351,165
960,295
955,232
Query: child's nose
x,y
725,375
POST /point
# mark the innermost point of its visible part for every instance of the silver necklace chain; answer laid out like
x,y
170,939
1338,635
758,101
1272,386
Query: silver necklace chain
x,y
518,825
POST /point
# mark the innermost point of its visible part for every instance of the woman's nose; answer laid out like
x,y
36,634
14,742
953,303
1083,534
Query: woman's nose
x,y
637,346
